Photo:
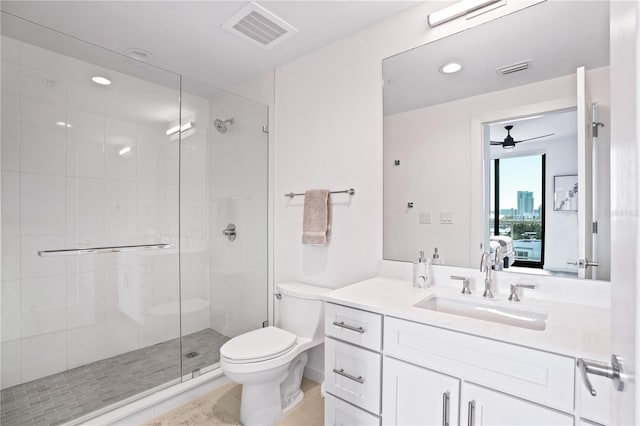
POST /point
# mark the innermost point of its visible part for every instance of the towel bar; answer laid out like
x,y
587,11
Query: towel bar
x,y
349,191
96,250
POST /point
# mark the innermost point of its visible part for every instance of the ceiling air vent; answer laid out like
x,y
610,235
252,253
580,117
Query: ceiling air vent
x,y
513,68
259,26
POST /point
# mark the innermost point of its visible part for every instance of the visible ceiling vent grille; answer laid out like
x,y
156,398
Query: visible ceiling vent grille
x,y
259,26
513,68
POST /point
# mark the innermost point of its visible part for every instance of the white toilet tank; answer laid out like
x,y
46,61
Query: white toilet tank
x,y
302,310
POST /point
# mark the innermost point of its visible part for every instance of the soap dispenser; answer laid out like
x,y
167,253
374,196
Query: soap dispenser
x,y
422,272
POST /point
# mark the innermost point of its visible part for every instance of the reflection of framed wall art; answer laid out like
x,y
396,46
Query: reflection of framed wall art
x,y
565,193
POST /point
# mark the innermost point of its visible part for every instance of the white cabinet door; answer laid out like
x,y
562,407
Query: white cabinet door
x,y
416,396
481,406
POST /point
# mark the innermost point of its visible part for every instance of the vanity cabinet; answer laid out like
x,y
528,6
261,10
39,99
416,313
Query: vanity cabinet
x,y
417,396
381,369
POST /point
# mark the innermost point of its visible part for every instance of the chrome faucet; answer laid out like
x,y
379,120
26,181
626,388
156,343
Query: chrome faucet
x,y
485,266
466,283
513,297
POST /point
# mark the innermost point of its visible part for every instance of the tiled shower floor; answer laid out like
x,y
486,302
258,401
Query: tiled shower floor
x,y
74,393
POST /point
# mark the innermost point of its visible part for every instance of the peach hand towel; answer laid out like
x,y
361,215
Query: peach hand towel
x,y
316,218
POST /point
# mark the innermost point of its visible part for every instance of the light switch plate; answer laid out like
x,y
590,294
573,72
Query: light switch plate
x,y
424,218
446,218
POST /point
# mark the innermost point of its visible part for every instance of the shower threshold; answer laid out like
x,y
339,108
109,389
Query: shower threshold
x,y
75,393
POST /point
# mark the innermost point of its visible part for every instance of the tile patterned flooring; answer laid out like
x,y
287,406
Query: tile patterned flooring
x,y
61,397
222,407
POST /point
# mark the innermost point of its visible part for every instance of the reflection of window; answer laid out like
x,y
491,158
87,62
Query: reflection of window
x,y
517,199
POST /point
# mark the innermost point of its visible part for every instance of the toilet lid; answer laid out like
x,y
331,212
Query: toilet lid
x,y
258,345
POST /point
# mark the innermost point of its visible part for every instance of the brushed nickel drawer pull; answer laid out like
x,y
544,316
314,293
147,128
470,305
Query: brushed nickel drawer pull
x,y
445,409
348,327
341,372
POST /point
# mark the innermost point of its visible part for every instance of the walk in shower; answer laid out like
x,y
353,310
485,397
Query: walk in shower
x,y
134,226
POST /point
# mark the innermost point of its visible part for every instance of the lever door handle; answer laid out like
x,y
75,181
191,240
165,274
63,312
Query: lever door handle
x,y
612,371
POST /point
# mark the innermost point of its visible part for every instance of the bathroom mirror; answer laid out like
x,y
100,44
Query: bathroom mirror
x,y
517,87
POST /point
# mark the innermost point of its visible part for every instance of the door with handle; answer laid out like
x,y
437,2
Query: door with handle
x,y
625,185
416,396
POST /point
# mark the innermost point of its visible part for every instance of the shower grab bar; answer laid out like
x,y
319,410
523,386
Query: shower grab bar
x,y
349,191
97,250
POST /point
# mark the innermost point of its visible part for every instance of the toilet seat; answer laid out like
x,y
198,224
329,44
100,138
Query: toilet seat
x,y
258,345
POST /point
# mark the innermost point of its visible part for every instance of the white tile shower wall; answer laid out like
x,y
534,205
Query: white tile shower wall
x,y
238,195
69,186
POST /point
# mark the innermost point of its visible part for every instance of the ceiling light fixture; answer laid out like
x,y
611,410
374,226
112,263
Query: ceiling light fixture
x,y
184,127
62,124
124,150
103,81
450,68
456,10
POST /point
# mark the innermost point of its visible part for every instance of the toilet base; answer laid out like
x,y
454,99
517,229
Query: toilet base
x,y
264,402
260,404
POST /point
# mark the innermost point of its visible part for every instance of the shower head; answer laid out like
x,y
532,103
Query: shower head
x,y
221,126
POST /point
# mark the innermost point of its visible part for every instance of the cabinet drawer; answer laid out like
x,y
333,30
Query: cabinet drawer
x,y
482,406
339,413
531,374
353,374
353,325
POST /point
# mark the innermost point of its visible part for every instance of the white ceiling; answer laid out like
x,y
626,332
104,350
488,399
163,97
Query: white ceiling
x,y
557,36
186,37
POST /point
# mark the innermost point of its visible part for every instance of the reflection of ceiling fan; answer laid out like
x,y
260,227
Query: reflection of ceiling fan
x,y
510,143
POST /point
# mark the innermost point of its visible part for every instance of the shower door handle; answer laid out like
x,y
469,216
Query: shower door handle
x,y
98,250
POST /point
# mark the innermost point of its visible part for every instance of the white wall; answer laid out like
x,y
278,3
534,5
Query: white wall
x,y
329,135
328,124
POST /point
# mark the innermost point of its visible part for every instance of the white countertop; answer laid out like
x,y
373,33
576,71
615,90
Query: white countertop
x,y
573,330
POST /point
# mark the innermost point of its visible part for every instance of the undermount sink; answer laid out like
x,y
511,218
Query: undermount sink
x,y
487,310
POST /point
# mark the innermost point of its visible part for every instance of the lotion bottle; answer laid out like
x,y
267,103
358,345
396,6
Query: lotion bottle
x,y
422,272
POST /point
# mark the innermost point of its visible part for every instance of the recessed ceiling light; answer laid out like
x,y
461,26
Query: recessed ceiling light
x,y
62,124
103,81
139,54
450,68
124,150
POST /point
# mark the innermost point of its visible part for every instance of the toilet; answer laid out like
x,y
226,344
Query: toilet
x,y
269,362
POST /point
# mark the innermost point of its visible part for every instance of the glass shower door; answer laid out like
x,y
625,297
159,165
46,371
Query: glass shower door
x,y
223,218
90,225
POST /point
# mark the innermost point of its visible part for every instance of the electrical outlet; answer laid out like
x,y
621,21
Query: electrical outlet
x,y
446,218
424,217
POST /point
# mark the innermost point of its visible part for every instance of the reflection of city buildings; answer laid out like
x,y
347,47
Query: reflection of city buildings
x,y
525,204
529,249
